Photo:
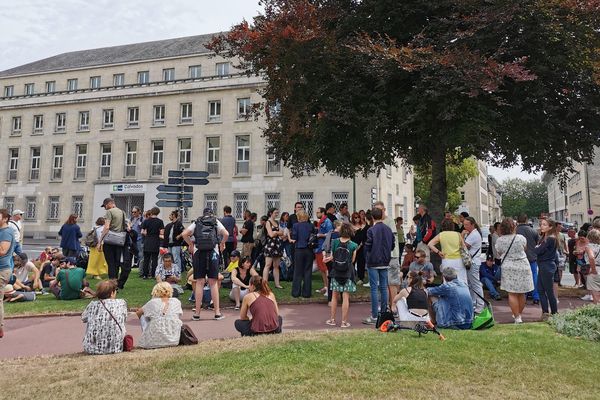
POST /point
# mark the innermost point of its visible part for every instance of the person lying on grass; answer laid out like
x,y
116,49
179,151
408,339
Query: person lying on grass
x,y
13,296
262,305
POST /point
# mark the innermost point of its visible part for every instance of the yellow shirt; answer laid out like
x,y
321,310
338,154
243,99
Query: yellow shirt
x,y
450,242
232,265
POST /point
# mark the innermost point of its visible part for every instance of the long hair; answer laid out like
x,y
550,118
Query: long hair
x,y
415,279
553,229
472,221
260,285
71,220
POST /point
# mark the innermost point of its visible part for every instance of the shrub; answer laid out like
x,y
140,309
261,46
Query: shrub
x,y
582,323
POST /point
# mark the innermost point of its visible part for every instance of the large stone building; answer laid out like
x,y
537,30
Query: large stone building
x,y
81,126
474,195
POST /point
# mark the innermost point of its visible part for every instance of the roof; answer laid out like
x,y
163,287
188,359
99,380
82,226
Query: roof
x,y
116,54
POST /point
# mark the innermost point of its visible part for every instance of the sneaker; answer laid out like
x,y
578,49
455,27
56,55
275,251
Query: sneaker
x,y
518,320
195,317
236,308
219,317
369,321
366,284
587,297
497,298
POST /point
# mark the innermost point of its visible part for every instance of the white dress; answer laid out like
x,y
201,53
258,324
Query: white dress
x,y
161,328
516,273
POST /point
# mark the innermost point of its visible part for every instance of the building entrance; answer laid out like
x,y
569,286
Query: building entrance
x,y
126,201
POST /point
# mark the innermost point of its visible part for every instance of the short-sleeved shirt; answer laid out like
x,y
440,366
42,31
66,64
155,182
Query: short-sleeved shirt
x,y
229,223
163,272
220,227
70,290
22,273
248,236
6,261
474,240
427,268
350,244
115,217
153,226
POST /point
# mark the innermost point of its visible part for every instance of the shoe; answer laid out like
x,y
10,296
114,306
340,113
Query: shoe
x,y
279,287
145,278
369,321
366,284
345,324
587,297
396,315
497,298
236,308
211,305
545,316
219,317
330,322
518,320
195,317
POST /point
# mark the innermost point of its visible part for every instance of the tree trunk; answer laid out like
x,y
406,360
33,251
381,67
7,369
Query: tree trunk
x,y
439,186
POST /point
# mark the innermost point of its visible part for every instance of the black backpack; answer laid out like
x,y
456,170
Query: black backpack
x,y
206,233
342,261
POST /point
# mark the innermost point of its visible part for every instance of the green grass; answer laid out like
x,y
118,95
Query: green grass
x,y
137,293
506,362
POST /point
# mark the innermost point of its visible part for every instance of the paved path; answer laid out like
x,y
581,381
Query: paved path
x,y
26,337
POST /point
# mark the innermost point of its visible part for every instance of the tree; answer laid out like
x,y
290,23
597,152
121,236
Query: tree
x,y
520,196
353,84
457,176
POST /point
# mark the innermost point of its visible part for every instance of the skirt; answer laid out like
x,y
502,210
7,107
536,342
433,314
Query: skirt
x,y
516,276
96,263
349,286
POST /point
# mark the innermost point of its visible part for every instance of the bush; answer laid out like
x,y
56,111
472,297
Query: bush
x,y
582,323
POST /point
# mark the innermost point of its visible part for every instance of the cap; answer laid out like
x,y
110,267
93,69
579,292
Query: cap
x,y
18,212
235,253
9,289
107,201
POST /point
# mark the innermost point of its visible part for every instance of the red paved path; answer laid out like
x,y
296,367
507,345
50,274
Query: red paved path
x,y
26,337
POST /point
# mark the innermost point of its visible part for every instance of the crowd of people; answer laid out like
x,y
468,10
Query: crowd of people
x,y
347,250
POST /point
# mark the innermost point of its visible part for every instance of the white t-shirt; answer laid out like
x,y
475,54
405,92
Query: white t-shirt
x,y
220,229
17,227
473,239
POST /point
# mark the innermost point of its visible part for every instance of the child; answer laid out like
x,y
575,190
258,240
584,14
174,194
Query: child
x,y
342,256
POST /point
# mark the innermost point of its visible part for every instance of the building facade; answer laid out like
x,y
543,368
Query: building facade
x,y
81,126
474,196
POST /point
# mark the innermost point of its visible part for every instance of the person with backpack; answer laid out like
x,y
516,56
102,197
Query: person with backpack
x,y
205,250
96,263
341,276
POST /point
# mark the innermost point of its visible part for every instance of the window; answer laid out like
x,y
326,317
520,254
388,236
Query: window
x,y
390,205
397,190
50,87
405,172
133,117
9,204
210,201
222,69
214,111
157,157
243,109
16,126
168,74
186,113
77,206
130,159
30,208
57,163
240,201
81,161
61,123
71,84
13,164
405,208
53,207
388,170
118,79
185,153
143,77
272,200
95,82
105,159
242,160
29,88
339,198
84,121
307,200
34,171
195,71
108,119
273,165
462,196
9,91
159,115
38,124
213,146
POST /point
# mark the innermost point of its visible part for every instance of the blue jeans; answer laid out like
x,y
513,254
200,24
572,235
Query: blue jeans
x,y
378,279
489,284
534,271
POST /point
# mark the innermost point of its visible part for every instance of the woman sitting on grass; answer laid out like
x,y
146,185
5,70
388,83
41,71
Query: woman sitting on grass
x,y
240,279
105,321
412,302
160,318
262,305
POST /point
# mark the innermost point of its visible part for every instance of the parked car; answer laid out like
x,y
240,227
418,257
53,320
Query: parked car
x,y
485,232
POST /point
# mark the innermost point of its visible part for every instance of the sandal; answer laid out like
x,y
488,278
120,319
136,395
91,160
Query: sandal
x,y
345,324
330,322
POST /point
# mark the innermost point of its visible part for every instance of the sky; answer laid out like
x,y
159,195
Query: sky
x,y
31,30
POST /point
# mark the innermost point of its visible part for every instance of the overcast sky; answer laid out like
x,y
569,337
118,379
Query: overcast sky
x,y
31,30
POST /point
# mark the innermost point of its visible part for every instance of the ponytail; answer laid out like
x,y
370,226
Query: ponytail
x,y
260,285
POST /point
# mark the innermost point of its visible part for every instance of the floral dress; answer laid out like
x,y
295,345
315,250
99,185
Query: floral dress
x,y
102,335
516,273
274,245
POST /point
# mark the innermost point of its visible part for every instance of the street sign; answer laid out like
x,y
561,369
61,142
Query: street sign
x,y
175,196
173,203
171,188
187,174
187,181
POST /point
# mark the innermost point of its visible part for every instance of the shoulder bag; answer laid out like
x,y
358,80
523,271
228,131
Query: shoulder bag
x,y
116,238
187,337
127,339
467,258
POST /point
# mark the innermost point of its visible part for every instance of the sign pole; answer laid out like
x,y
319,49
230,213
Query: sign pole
x,y
181,197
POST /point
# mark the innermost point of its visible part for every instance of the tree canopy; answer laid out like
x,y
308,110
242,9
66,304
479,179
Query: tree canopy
x,y
351,85
520,196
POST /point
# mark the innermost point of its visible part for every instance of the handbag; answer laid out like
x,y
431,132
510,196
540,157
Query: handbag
x,y
485,319
116,238
384,315
127,339
467,260
187,337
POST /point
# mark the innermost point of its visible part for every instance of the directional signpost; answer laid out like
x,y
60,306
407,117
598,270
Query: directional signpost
x,y
180,192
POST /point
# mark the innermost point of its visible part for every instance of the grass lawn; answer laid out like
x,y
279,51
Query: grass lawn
x,y
137,293
506,362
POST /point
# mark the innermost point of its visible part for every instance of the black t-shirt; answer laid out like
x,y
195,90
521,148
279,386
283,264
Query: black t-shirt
x,y
247,237
47,269
153,226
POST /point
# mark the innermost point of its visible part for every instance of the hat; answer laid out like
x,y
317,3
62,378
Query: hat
x,y
107,201
449,273
207,211
18,212
9,289
235,253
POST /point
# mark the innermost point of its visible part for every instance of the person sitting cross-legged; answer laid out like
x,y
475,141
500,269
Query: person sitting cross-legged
x,y
412,302
262,305
240,279
70,283
168,271
26,273
489,274
160,318
450,303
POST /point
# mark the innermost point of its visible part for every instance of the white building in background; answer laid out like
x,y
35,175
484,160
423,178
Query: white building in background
x,y
84,125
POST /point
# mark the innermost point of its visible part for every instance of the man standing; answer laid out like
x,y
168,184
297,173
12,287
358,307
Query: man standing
x,y
115,223
206,231
343,214
247,232
136,225
324,226
16,224
330,211
425,230
229,223
378,247
532,240
393,272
